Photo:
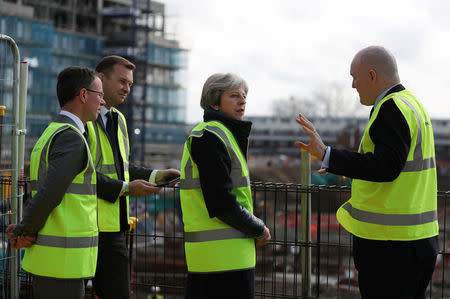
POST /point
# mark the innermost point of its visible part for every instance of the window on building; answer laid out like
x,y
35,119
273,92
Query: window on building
x,y
19,29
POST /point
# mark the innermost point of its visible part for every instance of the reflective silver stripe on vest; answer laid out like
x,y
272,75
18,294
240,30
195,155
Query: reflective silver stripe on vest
x,y
107,168
86,188
390,219
82,189
42,160
194,183
214,235
236,168
74,188
418,163
122,126
98,154
67,242
189,182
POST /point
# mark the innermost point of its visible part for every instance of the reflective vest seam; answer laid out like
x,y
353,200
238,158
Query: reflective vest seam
x,y
418,163
214,235
390,219
67,242
236,169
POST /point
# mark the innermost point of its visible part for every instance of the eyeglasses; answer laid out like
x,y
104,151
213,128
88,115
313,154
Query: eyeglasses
x,y
100,94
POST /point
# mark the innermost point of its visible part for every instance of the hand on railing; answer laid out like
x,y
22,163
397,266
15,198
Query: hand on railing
x,y
264,239
18,242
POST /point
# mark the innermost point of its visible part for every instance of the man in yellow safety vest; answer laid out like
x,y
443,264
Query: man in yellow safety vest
x,y
392,212
59,225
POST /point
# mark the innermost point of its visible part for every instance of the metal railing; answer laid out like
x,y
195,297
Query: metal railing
x,y
158,265
156,249
14,169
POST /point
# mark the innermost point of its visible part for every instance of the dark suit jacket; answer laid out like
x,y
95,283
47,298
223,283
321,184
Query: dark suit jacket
x,y
67,158
109,189
390,134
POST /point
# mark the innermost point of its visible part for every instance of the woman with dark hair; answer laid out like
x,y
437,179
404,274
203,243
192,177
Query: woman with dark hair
x,y
219,225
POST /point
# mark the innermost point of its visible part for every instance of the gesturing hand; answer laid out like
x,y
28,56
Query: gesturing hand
x,y
315,146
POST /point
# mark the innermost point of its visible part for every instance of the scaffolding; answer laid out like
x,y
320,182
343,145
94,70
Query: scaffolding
x,y
156,106
55,34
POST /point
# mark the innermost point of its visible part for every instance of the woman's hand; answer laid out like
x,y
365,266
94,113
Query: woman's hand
x,y
264,239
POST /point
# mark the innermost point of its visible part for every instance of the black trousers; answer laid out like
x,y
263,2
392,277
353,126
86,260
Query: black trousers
x,y
112,277
54,288
394,269
233,284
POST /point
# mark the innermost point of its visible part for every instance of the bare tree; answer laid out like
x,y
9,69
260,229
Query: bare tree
x,y
334,101
331,100
294,105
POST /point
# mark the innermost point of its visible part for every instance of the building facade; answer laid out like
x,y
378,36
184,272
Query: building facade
x,y
52,35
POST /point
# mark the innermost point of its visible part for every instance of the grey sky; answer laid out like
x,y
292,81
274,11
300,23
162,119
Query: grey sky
x,y
294,47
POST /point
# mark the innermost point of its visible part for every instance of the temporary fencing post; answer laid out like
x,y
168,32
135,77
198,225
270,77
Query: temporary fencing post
x,y
21,131
2,113
305,179
15,255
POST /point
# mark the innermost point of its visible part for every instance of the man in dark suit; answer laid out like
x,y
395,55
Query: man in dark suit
x,y
117,179
392,212
59,225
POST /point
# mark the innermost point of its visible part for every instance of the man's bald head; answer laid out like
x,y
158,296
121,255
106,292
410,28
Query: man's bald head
x,y
373,70
381,61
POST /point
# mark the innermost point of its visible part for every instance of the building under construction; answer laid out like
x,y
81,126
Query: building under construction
x,y
55,34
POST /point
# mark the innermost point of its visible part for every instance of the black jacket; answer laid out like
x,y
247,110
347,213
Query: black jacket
x,y
390,134
214,166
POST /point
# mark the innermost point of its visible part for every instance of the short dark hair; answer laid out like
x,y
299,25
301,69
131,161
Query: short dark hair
x,y
71,80
107,63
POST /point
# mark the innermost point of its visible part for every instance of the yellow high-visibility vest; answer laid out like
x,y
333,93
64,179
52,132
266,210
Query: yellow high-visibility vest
x,y
102,154
210,244
406,208
66,247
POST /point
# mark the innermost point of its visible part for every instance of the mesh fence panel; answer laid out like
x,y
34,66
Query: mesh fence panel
x,y
157,255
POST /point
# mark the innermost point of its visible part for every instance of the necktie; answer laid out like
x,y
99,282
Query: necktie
x,y
112,133
86,135
110,125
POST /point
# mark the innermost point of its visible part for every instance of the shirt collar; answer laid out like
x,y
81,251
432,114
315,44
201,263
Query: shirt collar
x,y
103,111
75,118
382,95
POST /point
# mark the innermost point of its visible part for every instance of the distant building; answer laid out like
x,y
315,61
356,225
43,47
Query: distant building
x,y
52,35
275,136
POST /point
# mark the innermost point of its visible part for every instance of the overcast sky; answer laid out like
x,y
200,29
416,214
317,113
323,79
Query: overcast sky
x,y
295,47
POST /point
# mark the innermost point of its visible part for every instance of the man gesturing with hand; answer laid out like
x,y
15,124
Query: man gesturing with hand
x,y
392,212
